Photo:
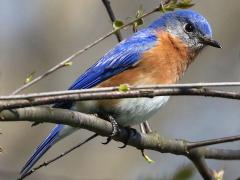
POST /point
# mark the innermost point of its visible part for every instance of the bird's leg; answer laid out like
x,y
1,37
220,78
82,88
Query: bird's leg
x,y
115,129
145,129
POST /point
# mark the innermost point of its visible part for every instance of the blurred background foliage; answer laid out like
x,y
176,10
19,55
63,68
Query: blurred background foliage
x,y
37,34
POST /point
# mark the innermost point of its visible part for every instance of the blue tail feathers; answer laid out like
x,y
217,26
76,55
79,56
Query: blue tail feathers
x,y
42,149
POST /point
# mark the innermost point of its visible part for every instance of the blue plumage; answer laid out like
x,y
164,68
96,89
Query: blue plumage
x,y
183,16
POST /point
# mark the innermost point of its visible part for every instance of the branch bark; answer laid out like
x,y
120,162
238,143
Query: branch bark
x,y
151,141
11,102
200,163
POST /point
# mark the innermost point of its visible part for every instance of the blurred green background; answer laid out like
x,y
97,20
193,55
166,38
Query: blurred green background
x,y
37,34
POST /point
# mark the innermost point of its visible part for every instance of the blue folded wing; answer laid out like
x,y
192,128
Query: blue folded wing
x,y
121,57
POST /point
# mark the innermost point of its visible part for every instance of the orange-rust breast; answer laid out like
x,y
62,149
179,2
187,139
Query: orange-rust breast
x,y
163,64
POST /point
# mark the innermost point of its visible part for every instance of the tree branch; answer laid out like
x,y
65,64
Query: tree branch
x,y
213,141
112,17
200,163
151,141
117,88
11,102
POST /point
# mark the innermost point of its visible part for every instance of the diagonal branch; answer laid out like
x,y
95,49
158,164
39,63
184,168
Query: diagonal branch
x,y
213,141
111,15
199,161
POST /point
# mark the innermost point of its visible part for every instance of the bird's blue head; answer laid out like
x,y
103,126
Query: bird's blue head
x,y
191,27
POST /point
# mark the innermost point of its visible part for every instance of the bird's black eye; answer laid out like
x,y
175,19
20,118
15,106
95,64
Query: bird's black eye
x,y
189,27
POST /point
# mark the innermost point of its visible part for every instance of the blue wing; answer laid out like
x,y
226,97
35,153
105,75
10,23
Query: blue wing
x,y
121,57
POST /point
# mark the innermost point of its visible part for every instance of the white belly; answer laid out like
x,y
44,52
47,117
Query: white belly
x,y
129,111
137,110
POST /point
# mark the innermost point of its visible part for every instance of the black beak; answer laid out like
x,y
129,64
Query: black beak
x,y
210,42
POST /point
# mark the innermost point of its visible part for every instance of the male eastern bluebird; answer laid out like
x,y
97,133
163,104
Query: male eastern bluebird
x,y
158,54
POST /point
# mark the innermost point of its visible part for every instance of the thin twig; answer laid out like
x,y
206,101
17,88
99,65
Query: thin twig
x,y
71,58
46,163
194,145
110,89
112,17
149,93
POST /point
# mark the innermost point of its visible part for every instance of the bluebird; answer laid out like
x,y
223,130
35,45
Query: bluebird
x,y
157,54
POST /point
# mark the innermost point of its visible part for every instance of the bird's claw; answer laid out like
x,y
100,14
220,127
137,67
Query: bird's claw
x,y
35,124
115,130
130,132
107,141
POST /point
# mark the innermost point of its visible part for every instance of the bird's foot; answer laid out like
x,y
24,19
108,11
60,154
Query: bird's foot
x,y
130,132
115,129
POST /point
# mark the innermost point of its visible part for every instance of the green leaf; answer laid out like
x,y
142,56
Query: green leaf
x,y
140,12
139,22
169,7
183,5
123,88
186,1
117,24
184,173
68,63
30,77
